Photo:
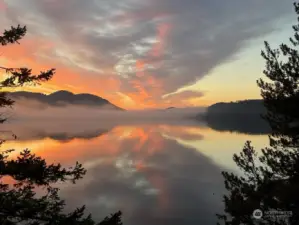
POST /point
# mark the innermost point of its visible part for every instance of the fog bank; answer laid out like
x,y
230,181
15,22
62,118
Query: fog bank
x,y
31,110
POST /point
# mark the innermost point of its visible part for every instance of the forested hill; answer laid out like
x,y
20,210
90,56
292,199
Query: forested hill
x,y
242,116
62,98
240,107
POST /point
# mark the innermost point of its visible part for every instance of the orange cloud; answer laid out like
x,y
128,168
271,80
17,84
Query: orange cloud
x,y
2,5
145,79
140,68
163,32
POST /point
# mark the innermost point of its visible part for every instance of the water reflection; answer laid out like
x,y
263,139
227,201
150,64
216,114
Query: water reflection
x,y
154,173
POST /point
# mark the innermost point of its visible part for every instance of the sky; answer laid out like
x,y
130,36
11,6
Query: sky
x,y
148,53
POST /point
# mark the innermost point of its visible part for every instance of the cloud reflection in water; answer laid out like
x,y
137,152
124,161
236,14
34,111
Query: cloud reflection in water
x,y
144,170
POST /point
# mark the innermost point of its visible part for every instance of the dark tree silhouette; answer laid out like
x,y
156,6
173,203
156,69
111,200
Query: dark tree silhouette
x,y
19,203
271,180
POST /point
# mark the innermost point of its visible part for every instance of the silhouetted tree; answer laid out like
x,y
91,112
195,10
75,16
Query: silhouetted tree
x,y
19,203
271,180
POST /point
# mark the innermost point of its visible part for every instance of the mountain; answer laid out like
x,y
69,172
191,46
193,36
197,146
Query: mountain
x,y
241,116
62,98
254,106
244,107
170,108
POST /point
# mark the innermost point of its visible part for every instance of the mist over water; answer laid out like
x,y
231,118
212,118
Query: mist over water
x,y
157,166
33,110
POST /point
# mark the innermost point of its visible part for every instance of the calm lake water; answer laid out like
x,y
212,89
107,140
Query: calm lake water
x,y
154,173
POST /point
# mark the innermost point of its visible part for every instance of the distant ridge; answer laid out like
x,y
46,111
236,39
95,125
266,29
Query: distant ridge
x,y
62,98
241,116
252,106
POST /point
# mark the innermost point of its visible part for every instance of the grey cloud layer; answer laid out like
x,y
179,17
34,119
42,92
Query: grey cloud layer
x,y
203,34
